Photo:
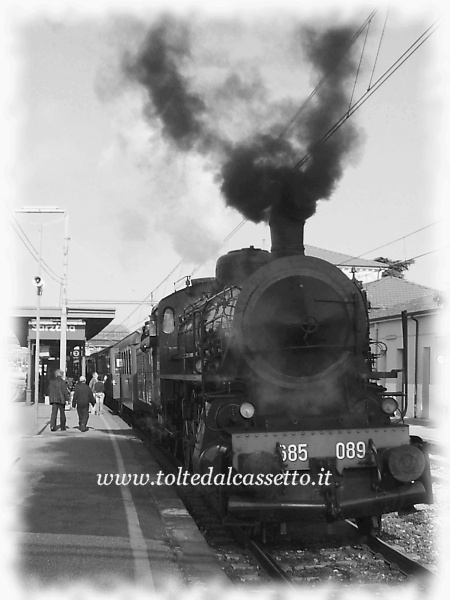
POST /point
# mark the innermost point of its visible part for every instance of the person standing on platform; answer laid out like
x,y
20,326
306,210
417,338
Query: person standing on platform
x,y
92,383
99,391
82,399
108,383
58,396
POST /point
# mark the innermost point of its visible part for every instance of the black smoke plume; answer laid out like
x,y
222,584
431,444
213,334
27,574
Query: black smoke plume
x,y
258,177
158,68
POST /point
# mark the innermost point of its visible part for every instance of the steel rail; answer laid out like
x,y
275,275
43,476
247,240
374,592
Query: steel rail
x,y
392,556
406,565
265,560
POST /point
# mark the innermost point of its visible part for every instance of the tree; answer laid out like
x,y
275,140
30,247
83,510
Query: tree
x,y
440,299
395,268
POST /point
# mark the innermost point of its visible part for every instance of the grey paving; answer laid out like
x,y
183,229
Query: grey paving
x,y
71,530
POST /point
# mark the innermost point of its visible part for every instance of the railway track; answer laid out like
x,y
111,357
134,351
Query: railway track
x,y
406,565
394,557
263,566
263,558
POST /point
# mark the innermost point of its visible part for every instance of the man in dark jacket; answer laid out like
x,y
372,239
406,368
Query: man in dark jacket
x,y
58,396
82,397
99,393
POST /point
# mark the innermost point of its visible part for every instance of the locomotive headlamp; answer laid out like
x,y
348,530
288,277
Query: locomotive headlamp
x,y
247,410
389,406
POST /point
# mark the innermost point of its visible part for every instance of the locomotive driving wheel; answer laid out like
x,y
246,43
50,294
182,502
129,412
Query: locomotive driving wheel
x,y
188,441
189,429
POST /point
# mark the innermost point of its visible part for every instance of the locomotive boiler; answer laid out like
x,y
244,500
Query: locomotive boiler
x,y
264,380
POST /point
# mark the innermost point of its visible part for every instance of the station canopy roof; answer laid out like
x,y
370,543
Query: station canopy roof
x,y
96,320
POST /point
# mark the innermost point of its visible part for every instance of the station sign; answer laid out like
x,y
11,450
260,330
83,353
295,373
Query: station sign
x,y
77,353
50,329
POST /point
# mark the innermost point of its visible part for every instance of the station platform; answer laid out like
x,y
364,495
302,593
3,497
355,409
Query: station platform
x,y
430,431
73,529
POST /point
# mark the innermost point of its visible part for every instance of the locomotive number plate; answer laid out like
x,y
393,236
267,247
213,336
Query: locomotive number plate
x,y
348,448
293,453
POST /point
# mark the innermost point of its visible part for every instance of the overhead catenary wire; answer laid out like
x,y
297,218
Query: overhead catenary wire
x,y
380,81
327,75
359,65
398,262
350,111
137,324
151,294
351,259
228,237
146,299
378,50
370,90
364,26
31,249
282,133
403,237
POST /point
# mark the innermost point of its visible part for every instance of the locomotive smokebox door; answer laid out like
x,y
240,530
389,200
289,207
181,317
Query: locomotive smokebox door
x,y
297,321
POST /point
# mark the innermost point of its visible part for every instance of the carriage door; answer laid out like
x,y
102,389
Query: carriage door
x,y
115,374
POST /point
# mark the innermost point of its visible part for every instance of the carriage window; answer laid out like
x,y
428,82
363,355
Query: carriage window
x,y
168,324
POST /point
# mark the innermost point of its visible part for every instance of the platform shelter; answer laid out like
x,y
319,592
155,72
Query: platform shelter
x,y
82,325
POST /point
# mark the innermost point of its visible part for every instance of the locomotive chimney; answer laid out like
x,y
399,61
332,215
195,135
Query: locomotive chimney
x,y
287,235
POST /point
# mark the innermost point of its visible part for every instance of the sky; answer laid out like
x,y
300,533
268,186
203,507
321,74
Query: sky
x,y
79,134
143,212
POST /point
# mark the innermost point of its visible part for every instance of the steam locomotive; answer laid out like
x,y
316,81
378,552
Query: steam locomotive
x,y
263,382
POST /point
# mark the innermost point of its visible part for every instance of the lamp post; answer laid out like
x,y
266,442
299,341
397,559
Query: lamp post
x,y
63,299
39,287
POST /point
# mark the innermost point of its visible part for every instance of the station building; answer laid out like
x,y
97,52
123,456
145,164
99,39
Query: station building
x,y
427,344
82,325
426,354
